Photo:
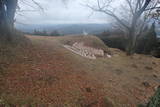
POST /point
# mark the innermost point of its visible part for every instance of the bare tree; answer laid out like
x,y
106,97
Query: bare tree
x,y
133,10
8,10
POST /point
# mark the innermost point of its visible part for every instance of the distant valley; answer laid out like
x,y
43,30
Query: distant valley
x,y
66,29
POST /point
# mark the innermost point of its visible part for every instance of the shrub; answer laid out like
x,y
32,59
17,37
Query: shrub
x,y
147,42
40,33
55,33
155,100
45,33
115,41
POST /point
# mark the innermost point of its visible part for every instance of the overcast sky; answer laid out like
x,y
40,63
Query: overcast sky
x,y
57,12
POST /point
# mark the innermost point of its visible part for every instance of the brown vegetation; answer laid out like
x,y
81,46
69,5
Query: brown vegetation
x,y
46,74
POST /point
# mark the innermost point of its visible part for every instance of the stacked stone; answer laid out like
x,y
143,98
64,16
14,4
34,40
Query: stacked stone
x,y
88,52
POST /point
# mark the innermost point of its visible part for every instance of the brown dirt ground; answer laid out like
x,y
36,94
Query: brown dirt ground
x,y
48,75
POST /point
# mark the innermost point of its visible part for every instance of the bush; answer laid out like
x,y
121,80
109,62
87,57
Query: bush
x,y
147,42
155,100
45,33
114,41
55,33
156,51
40,33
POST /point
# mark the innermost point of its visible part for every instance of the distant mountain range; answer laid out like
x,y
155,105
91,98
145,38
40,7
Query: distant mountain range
x,y
66,29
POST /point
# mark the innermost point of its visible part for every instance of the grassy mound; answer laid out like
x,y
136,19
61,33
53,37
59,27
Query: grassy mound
x,y
91,41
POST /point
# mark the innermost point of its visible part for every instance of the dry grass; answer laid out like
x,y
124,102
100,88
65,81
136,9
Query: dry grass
x,y
51,75
91,41
122,75
11,51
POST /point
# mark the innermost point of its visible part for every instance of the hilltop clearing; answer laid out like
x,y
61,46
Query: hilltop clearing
x,y
48,74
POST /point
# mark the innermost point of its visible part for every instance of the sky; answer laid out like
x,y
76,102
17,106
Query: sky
x,y
58,12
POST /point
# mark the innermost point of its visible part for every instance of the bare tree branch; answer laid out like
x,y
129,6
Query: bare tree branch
x,y
135,10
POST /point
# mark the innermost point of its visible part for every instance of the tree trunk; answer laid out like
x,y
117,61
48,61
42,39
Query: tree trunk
x,y
2,16
131,35
130,46
7,14
11,10
131,39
